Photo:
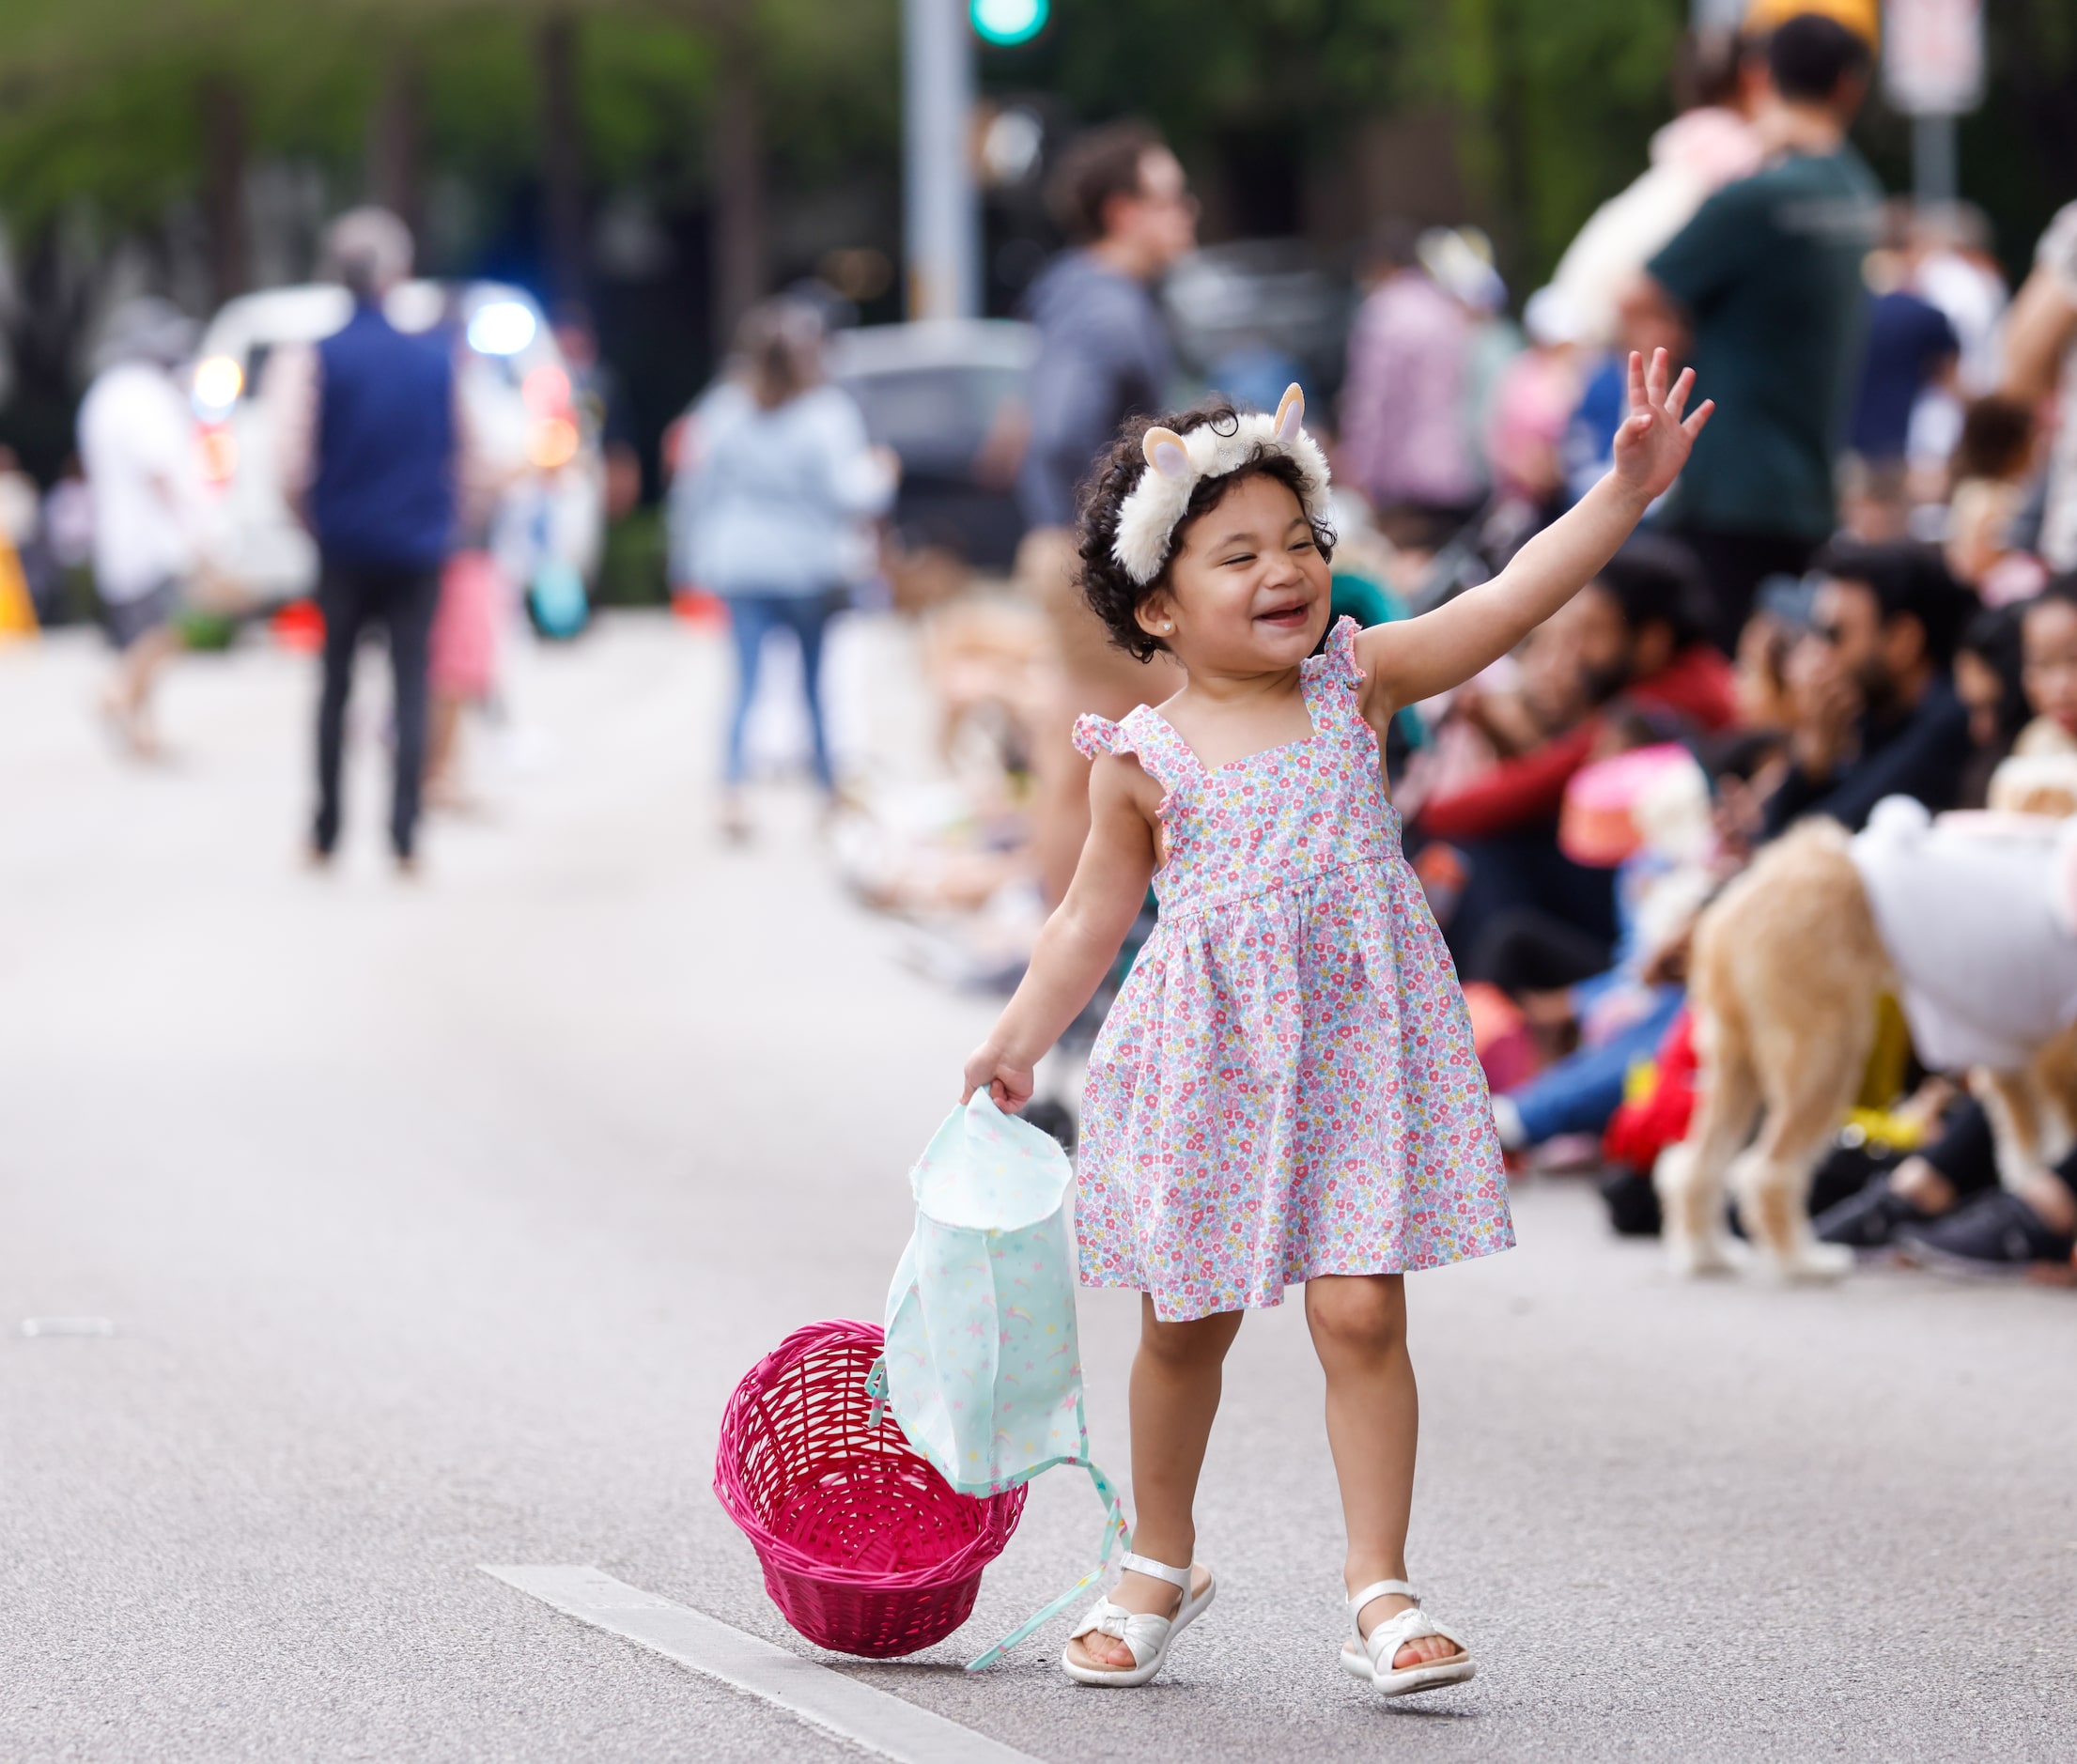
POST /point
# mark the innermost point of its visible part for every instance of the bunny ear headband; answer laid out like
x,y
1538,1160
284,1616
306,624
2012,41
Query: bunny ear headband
x,y
1176,464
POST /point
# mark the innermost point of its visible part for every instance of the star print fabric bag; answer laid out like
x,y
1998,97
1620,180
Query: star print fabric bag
x,y
981,1368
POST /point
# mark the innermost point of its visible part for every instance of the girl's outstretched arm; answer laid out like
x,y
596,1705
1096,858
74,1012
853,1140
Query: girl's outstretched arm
x,y
1416,659
1080,940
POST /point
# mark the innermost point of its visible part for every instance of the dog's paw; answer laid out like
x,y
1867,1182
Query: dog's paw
x,y
1699,1258
1814,1262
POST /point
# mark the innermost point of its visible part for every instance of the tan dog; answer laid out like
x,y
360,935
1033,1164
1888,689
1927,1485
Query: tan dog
x,y
1787,968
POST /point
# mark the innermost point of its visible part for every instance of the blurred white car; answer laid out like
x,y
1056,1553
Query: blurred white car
x,y
515,389
937,392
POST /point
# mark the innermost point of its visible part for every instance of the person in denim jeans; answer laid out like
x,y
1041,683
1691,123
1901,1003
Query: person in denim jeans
x,y
775,478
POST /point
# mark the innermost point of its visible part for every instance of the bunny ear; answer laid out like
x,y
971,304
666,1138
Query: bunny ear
x,y
1163,448
1291,413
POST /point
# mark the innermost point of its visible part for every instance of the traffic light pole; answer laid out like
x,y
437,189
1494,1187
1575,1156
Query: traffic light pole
x,y
940,218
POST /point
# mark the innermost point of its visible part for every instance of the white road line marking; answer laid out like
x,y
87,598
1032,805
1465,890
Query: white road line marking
x,y
882,1724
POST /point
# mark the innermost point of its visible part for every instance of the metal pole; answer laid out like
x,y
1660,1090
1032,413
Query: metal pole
x,y
941,224
1934,176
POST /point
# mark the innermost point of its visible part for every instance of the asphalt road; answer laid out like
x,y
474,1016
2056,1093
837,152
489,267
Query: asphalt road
x,y
437,1221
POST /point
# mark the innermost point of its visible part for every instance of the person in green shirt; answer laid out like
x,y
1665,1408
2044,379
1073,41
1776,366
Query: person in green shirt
x,y
1763,289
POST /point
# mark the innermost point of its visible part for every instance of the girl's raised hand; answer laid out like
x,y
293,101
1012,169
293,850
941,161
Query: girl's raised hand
x,y
1653,442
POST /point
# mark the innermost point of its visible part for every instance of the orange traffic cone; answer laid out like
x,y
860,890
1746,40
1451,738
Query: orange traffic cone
x,y
17,610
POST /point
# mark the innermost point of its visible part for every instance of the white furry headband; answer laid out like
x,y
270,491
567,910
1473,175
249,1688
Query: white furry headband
x,y
1176,464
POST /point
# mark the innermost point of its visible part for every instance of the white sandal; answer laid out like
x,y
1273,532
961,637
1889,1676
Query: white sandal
x,y
1145,1635
1370,1657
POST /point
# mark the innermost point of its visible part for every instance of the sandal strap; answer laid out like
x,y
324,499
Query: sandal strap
x,y
1141,1632
1178,1577
1410,1625
1377,1590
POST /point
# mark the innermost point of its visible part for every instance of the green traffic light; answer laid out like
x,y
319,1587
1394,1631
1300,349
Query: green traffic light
x,y
1009,20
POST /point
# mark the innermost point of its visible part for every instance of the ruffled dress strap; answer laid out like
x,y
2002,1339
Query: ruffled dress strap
x,y
1096,735
1336,664
1145,733
1333,678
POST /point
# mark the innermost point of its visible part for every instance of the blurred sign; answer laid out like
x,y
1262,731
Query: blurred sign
x,y
1932,56
1009,20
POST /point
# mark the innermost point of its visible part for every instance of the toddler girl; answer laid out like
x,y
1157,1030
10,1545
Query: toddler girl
x,y
1285,1090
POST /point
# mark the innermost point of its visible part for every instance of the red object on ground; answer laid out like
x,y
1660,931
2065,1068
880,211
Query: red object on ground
x,y
695,606
299,626
866,1549
1637,1132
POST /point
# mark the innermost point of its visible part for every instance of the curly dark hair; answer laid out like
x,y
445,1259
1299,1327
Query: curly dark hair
x,y
1112,594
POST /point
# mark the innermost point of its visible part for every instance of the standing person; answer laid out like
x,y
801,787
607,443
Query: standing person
x,y
1910,346
1104,352
1717,82
1403,435
369,443
2041,362
1286,1091
1104,355
775,477
136,442
1766,279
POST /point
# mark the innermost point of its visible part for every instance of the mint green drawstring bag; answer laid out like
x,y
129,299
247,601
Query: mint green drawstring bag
x,y
982,1366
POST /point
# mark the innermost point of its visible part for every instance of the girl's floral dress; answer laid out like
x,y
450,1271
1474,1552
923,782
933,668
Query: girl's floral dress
x,y
1286,1086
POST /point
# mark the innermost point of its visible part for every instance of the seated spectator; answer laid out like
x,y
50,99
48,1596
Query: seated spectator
x,y
2048,668
1988,677
1872,711
1946,1209
1661,799
1634,634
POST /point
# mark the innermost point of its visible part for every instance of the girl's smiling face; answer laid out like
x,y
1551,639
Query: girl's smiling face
x,y
1247,590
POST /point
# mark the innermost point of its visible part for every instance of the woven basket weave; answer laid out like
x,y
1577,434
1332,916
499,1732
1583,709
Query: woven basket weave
x,y
866,1549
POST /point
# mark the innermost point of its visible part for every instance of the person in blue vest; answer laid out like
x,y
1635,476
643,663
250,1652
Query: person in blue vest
x,y
371,444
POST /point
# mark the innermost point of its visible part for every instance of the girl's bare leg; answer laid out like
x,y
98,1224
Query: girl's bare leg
x,y
1358,1325
1175,1385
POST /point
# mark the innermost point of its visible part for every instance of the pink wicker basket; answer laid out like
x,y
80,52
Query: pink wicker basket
x,y
866,1548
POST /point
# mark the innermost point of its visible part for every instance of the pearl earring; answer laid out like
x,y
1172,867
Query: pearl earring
x,y
1167,626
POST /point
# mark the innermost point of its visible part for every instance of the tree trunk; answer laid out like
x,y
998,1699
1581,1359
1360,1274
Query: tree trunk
x,y
223,145
561,156
395,135
738,162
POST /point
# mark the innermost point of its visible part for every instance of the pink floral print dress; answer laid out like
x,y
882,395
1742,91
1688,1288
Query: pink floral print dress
x,y
1286,1086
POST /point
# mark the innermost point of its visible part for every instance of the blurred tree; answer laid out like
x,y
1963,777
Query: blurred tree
x,y
393,160
1547,107
223,167
562,144
1544,108
754,135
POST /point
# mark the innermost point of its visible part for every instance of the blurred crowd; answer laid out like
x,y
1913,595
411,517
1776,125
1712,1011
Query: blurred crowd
x,y
1863,588
1860,590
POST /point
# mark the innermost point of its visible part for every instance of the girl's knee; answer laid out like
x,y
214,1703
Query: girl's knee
x,y
1364,1312
1196,1342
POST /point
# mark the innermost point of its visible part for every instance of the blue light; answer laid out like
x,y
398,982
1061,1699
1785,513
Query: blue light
x,y
501,327
1009,21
